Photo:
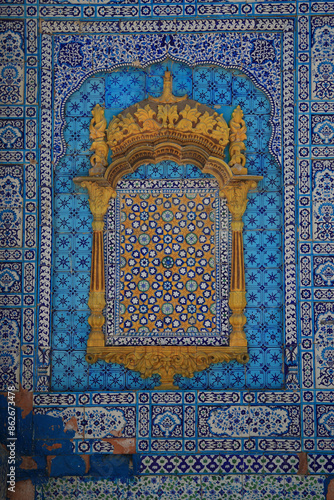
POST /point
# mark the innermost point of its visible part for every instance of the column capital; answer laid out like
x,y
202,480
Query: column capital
x,y
99,196
235,193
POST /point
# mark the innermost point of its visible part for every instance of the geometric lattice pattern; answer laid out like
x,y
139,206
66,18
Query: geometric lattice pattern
x,y
167,263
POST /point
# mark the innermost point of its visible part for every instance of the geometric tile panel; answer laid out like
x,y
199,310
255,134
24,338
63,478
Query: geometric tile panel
x,y
218,464
171,260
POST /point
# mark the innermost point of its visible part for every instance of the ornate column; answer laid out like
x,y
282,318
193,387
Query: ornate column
x,y
236,195
167,127
99,196
100,192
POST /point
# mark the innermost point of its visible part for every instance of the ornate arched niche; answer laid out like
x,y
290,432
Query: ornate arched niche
x,y
185,131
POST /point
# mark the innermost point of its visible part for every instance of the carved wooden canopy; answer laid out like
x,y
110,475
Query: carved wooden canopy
x,y
183,130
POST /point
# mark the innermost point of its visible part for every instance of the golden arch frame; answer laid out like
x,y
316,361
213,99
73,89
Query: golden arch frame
x,y
179,129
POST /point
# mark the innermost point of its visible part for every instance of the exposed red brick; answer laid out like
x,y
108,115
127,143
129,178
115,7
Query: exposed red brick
x,y
28,463
49,459
51,447
122,446
86,459
116,433
330,491
24,490
303,466
23,399
71,425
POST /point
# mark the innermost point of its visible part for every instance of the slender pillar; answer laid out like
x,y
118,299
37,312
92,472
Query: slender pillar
x,y
236,195
99,197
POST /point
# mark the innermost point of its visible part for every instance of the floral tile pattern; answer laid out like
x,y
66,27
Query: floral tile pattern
x,y
215,487
276,60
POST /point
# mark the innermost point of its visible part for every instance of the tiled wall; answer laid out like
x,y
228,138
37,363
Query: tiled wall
x,y
276,60
72,224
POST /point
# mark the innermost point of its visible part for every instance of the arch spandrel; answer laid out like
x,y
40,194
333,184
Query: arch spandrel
x,y
185,131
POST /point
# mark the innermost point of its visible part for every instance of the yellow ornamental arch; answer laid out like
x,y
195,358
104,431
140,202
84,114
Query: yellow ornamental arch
x,y
185,131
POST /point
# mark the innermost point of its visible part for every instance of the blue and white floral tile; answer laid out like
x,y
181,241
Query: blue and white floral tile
x,y
144,488
11,205
10,326
62,488
92,423
12,134
258,486
324,344
106,489
11,81
222,487
323,199
322,57
180,488
325,421
304,487
10,277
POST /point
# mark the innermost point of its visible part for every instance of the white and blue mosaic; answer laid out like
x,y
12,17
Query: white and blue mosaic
x,y
207,439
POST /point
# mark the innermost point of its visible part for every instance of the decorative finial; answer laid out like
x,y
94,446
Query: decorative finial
x,y
97,134
167,96
237,148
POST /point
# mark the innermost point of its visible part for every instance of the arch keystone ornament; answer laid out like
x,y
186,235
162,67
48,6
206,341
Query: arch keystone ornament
x,y
184,131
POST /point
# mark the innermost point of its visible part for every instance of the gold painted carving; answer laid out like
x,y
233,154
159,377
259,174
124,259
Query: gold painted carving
x,y
167,361
99,197
189,120
236,195
120,127
167,96
164,120
97,134
168,115
168,127
167,118
145,117
237,146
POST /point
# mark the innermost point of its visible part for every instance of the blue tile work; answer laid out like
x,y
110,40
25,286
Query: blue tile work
x,y
18,207
256,49
163,9
205,487
263,220
267,42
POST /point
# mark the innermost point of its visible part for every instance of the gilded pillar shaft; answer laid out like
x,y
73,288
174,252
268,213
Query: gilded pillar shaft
x,y
237,271
236,195
237,300
99,197
97,275
96,301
